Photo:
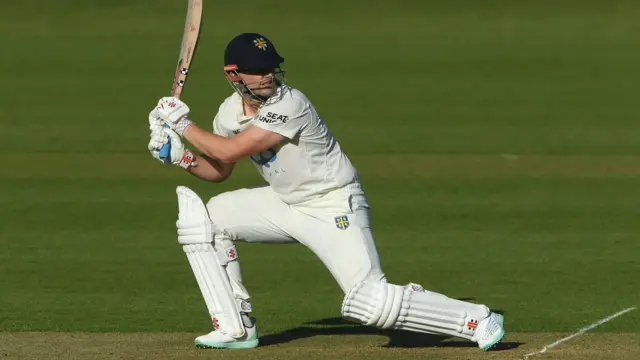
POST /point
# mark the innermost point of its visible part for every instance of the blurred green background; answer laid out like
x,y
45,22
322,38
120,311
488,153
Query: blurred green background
x,y
498,143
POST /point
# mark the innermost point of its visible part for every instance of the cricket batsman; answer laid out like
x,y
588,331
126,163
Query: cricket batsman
x,y
312,196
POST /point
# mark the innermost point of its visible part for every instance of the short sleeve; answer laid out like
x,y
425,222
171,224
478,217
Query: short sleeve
x,y
218,129
286,117
225,117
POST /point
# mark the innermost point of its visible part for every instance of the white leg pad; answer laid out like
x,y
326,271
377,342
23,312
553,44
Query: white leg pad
x,y
195,234
389,306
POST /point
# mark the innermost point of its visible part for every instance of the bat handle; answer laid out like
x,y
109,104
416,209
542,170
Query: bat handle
x,y
166,148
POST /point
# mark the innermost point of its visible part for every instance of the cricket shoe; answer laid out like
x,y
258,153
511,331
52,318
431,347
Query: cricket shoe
x,y
218,339
490,331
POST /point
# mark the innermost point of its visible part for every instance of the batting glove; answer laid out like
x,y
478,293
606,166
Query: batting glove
x,y
173,112
161,135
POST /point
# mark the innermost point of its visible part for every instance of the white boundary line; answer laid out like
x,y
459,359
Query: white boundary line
x,y
580,332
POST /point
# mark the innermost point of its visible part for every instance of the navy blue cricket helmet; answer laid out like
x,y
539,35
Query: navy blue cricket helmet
x,y
252,51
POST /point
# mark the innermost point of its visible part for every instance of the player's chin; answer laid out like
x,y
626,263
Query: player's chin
x,y
265,92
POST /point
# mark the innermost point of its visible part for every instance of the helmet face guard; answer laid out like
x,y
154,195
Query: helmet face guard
x,y
231,72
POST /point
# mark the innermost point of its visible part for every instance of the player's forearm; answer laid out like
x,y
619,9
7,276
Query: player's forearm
x,y
212,145
211,169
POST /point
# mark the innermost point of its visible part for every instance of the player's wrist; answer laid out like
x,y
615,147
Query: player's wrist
x,y
181,125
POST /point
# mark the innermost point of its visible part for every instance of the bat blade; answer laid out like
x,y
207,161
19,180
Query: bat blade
x,y
188,46
187,51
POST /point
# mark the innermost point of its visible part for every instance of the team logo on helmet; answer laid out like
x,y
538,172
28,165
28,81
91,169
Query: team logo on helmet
x,y
260,43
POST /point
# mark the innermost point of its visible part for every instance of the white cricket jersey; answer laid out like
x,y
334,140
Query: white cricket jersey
x,y
309,163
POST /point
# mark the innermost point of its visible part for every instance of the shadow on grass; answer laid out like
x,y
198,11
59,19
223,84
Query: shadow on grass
x,y
397,338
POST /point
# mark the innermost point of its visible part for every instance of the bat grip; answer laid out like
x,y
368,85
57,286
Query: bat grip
x,y
166,148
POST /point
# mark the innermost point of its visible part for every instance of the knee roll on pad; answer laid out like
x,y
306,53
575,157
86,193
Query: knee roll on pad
x,y
373,303
194,225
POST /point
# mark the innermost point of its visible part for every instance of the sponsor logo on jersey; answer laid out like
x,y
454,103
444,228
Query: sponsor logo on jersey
x,y
342,222
277,117
266,120
265,157
272,118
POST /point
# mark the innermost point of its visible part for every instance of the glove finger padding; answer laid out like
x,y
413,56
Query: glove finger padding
x,y
155,145
155,125
154,117
157,139
159,135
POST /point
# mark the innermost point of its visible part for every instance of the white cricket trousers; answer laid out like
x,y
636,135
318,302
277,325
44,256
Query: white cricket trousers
x,y
336,227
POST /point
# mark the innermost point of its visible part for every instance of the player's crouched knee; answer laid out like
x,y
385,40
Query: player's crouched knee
x,y
218,206
218,202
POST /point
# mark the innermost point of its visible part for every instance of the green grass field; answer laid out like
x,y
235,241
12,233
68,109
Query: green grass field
x,y
498,142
